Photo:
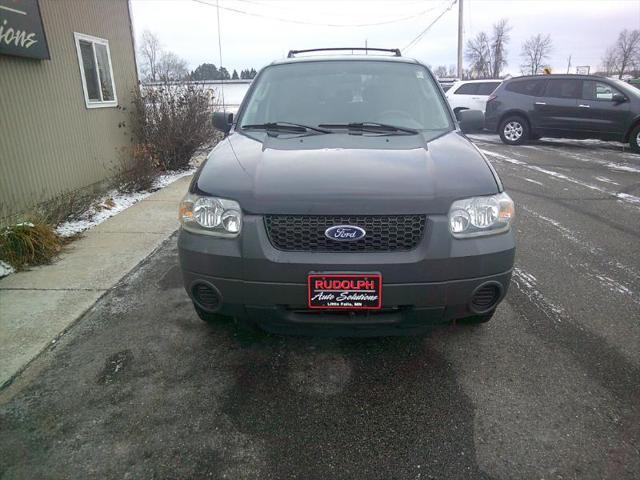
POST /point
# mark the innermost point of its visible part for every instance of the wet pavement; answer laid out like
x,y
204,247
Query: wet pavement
x,y
550,388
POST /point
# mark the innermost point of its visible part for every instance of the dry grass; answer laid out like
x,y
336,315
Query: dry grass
x,y
28,243
136,169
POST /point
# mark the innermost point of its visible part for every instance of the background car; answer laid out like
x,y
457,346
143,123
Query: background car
x,y
447,82
470,94
569,106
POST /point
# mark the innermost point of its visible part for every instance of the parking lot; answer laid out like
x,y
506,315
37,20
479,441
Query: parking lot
x,y
550,388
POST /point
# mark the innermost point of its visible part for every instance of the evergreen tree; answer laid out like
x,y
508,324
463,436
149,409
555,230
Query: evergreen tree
x,y
223,74
205,71
235,75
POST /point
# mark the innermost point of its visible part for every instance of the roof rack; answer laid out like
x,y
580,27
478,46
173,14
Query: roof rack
x,y
395,51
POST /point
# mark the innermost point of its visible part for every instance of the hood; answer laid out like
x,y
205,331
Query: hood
x,y
345,174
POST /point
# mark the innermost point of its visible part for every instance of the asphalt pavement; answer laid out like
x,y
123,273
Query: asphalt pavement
x,y
549,389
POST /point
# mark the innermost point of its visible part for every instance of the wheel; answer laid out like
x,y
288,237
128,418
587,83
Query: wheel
x,y
514,130
210,317
634,139
477,319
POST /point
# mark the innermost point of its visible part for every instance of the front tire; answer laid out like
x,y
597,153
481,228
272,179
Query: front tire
x,y
634,139
514,130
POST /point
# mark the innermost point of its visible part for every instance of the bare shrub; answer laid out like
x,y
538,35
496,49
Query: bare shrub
x,y
172,121
136,169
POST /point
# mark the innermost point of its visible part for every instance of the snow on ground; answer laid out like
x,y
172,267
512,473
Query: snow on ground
x,y
606,180
586,141
628,198
114,202
5,269
624,197
534,181
527,284
582,243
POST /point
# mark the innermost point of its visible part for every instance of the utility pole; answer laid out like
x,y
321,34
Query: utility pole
x,y
460,39
569,64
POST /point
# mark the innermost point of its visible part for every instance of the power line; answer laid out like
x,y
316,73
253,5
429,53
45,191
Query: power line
x,y
302,22
424,32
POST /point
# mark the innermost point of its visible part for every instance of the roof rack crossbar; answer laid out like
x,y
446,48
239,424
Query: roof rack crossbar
x,y
395,51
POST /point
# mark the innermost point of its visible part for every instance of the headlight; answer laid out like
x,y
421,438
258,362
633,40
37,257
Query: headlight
x,y
476,216
211,215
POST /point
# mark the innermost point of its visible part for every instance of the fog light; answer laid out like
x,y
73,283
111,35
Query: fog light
x,y
206,296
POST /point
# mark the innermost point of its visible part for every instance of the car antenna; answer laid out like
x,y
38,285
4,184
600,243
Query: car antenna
x,y
220,54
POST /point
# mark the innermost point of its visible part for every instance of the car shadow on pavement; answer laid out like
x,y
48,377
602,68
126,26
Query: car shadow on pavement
x,y
353,408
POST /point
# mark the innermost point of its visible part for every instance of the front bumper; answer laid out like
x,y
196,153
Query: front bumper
x,y
431,284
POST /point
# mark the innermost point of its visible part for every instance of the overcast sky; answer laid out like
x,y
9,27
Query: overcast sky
x,y
581,28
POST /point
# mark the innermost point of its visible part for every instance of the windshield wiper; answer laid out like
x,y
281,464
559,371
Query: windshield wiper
x,y
284,126
370,127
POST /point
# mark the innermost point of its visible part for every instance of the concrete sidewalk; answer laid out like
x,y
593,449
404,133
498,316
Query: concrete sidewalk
x,y
38,305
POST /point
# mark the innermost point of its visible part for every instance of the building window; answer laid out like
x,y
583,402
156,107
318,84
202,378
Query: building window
x,y
96,71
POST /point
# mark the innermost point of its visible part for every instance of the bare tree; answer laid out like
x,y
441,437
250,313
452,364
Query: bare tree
x,y
171,67
610,61
441,71
150,51
535,51
498,47
488,56
478,54
627,49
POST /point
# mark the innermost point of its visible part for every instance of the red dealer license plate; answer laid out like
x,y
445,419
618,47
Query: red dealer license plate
x,y
352,291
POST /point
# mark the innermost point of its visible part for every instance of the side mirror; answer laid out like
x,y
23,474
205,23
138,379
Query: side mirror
x,y
222,121
470,120
618,98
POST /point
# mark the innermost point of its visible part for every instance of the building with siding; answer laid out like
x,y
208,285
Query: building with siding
x,y
65,68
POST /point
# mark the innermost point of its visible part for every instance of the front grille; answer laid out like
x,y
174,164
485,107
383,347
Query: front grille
x,y
305,233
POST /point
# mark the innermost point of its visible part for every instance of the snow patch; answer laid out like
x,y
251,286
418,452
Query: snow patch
x,y
527,284
622,167
534,181
606,180
5,269
112,203
613,285
628,198
564,231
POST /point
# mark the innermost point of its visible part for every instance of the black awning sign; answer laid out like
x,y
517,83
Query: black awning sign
x,y
21,30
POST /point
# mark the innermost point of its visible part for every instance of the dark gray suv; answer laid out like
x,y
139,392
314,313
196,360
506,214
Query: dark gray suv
x,y
345,199
569,106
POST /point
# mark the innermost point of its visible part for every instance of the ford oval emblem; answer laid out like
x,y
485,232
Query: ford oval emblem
x,y
345,233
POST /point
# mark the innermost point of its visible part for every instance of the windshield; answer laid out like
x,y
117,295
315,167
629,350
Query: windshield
x,y
340,92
